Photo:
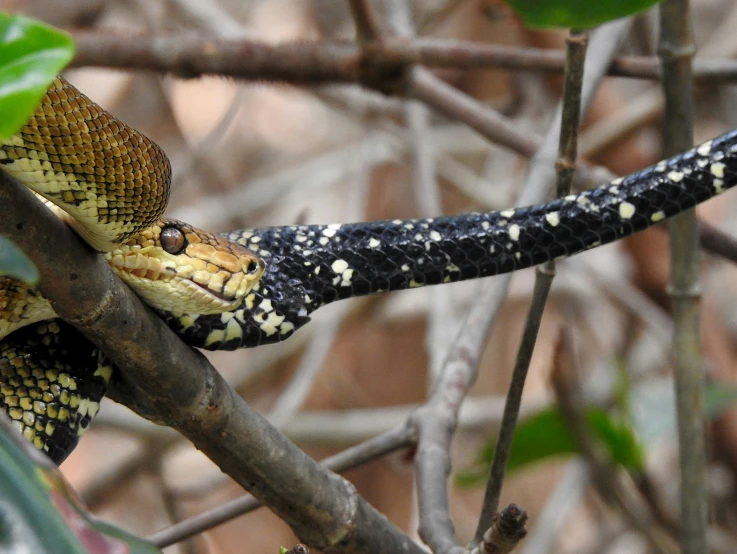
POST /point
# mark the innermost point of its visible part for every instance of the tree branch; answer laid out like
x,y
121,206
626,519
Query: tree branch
x,y
381,445
174,384
340,62
676,49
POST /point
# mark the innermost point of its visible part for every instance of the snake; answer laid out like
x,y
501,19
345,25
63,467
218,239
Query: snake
x,y
253,287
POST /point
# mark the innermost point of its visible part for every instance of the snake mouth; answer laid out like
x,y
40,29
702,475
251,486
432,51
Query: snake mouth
x,y
219,295
181,288
166,274
207,277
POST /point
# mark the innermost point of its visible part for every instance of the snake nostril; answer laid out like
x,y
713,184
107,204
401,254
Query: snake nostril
x,y
254,267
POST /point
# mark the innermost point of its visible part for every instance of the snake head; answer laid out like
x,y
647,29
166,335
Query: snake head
x,y
177,268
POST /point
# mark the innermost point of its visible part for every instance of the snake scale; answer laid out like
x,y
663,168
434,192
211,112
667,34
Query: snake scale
x,y
258,286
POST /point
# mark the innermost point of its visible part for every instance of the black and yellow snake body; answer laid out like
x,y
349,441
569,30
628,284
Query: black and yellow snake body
x,y
302,268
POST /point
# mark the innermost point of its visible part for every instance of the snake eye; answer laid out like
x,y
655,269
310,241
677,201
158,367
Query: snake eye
x,y
172,240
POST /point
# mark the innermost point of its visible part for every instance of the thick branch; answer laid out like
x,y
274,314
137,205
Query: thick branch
x,y
174,384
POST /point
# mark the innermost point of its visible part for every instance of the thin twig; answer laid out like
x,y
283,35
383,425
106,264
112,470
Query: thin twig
x,y
367,26
437,420
676,48
571,109
454,104
605,42
386,443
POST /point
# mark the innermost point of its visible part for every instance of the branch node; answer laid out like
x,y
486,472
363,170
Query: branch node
x,y
88,319
381,74
507,529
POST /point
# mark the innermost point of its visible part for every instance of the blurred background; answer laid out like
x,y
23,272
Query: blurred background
x,y
258,154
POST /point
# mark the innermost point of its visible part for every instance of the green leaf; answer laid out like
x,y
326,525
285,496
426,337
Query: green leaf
x,y
546,434
14,263
578,14
39,512
31,55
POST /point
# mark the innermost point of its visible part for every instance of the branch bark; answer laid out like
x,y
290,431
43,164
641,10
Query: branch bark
x,y
676,49
173,384
340,62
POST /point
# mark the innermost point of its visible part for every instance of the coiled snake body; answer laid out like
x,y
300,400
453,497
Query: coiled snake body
x,y
258,286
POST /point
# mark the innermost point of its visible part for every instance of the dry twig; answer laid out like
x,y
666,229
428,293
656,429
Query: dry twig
x,y
676,48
